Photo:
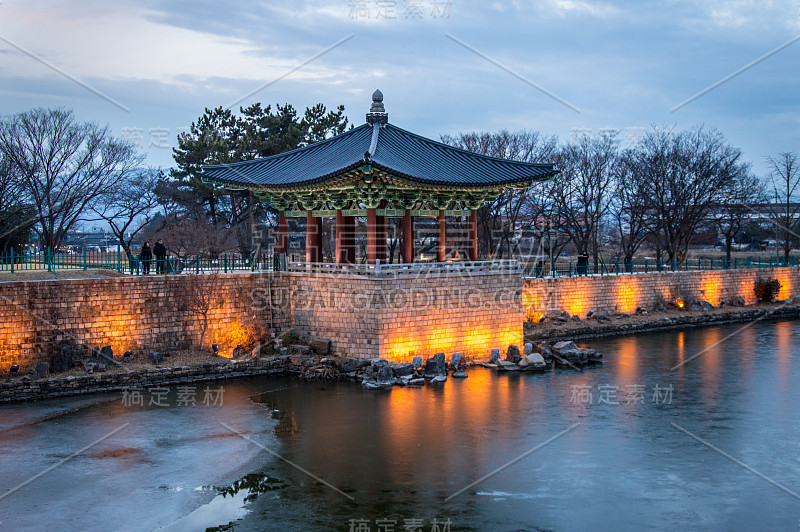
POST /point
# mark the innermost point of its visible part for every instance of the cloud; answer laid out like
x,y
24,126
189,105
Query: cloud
x,y
623,63
749,15
126,42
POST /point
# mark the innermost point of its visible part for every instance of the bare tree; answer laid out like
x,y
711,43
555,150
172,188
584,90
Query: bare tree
x,y
582,192
16,214
201,294
785,212
515,210
630,207
684,173
185,237
65,166
737,198
129,207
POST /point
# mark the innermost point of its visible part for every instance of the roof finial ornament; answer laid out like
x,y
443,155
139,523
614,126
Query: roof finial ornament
x,y
377,113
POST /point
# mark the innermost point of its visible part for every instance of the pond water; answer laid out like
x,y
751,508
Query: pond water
x,y
713,444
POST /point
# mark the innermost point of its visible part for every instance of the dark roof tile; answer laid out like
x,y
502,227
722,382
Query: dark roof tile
x,y
397,151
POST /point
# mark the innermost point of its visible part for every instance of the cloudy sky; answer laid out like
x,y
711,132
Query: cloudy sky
x,y
149,68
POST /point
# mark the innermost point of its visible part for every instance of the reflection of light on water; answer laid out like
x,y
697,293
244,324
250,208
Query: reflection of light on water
x,y
710,365
783,332
747,346
453,419
627,365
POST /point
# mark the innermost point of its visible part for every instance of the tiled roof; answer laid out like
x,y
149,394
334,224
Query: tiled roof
x,y
386,147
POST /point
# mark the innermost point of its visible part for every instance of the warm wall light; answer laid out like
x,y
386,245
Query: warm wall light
x,y
710,288
626,296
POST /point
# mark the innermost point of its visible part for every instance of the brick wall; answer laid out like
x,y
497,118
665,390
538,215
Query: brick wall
x,y
363,316
136,313
624,293
400,317
449,313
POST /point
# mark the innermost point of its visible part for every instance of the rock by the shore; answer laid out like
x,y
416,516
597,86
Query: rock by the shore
x,y
436,366
532,362
106,357
321,345
460,374
42,369
505,365
402,369
527,349
565,347
513,355
370,384
494,356
349,365
62,360
385,374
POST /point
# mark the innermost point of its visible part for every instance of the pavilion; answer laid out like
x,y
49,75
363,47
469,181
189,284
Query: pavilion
x,y
376,170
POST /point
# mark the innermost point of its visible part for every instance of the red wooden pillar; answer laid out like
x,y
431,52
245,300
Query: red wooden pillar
x,y
372,236
472,224
441,243
313,238
408,237
282,244
345,239
350,239
382,252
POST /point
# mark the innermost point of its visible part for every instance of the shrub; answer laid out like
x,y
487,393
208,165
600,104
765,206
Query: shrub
x,y
767,289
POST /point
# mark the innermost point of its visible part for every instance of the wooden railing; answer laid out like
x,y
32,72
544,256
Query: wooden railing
x,y
414,269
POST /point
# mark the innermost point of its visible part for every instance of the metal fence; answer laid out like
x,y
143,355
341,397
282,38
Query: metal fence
x,y
230,262
119,261
562,268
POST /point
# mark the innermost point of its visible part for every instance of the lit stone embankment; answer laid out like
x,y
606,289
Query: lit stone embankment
x,y
625,293
394,314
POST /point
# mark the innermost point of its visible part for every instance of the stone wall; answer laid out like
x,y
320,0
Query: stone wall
x,y
127,313
448,313
624,293
398,317
364,316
